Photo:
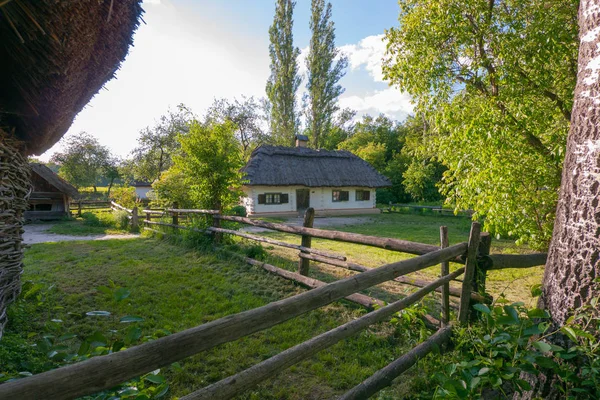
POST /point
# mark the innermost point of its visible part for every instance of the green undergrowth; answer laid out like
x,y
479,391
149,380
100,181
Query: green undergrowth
x,y
165,288
93,223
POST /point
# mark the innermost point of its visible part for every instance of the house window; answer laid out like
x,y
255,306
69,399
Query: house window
x,y
340,195
363,195
273,198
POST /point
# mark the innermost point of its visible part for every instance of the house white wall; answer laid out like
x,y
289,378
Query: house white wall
x,y
141,192
321,199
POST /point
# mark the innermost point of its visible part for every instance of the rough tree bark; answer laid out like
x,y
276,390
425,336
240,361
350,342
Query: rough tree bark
x,y
573,257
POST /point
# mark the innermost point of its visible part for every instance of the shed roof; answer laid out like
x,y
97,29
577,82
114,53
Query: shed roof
x,y
285,166
56,55
53,179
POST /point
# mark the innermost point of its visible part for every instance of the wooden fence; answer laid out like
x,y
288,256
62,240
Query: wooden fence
x,y
392,207
104,372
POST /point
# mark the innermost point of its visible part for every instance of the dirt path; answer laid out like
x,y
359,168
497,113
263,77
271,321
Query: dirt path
x,y
38,234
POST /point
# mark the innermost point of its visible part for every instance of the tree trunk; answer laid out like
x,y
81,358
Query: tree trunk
x,y
573,257
572,264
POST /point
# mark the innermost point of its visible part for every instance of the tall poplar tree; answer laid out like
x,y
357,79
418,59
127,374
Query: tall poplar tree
x,y
284,80
324,73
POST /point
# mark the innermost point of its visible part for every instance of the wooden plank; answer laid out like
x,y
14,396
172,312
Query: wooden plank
x,y
103,372
279,243
455,292
192,211
375,241
303,263
502,261
470,266
120,207
238,383
384,377
312,283
445,269
174,226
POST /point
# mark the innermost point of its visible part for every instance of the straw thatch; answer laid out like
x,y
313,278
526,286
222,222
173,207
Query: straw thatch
x,y
53,179
55,56
14,193
286,166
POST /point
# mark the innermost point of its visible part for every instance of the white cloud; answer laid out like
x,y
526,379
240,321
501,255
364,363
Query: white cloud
x,y
369,53
388,101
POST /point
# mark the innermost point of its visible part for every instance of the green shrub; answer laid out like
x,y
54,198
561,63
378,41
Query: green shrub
x,y
120,219
124,195
239,211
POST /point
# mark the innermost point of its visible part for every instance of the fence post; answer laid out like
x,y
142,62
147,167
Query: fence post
x,y
175,215
470,267
445,266
309,218
79,208
134,219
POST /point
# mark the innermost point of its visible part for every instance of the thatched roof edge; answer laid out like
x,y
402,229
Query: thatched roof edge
x,y
53,179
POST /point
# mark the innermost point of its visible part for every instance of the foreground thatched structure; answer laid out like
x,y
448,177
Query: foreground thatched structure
x,y
55,56
287,180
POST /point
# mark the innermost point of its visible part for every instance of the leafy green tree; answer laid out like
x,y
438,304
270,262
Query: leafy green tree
x,y
284,80
157,145
341,129
83,160
207,167
326,66
495,80
247,116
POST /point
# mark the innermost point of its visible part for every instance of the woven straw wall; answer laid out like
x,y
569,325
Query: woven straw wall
x,y
15,188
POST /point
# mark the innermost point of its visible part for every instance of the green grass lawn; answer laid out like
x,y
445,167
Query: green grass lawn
x,y
423,228
173,288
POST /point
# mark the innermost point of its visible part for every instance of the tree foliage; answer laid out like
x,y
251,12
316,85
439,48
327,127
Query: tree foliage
x,y
284,80
83,160
495,82
205,173
157,145
326,66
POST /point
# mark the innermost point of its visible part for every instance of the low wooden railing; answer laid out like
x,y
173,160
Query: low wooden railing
x,y
107,371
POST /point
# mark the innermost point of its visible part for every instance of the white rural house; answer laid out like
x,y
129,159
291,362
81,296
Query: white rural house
x,y
282,181
142,189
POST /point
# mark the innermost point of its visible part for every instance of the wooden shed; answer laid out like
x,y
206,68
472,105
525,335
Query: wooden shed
x,y
50,196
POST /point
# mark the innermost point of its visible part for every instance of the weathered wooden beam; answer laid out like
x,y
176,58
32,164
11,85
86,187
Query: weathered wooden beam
x,y
445,269
174,226
384,377
238,383
192,211
502,261
120,207
404,246
455,292
303,263
470,267
358,298
279,243
103,372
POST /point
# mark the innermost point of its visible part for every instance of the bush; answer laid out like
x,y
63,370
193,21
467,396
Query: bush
x,y
121,219
239,211
124,195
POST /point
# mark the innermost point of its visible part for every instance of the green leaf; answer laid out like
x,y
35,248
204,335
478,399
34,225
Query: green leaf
x,y
567,330
536,290
98,313
161,391
537,313
121,294
155,379
133,334
482,308
542,346
483,371
131,318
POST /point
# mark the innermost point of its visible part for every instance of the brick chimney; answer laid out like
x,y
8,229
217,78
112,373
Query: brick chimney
x,y
301,140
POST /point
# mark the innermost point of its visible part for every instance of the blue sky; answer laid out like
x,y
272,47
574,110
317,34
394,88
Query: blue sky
x,y
193,51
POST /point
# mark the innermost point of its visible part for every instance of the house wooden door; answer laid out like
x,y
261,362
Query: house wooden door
x,y
302,199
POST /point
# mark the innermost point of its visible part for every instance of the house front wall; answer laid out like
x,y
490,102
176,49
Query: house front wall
x,y
141,192
321,199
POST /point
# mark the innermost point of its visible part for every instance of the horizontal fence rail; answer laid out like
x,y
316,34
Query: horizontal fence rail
x,y
386,375
244,380
375,241
104,372
502,261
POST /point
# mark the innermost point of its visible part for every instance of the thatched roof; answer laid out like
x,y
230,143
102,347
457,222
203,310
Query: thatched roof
x,y
55,56
53,179
283,166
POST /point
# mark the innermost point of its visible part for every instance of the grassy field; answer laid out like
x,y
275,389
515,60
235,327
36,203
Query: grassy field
x,y
90,223
174,288
424,228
